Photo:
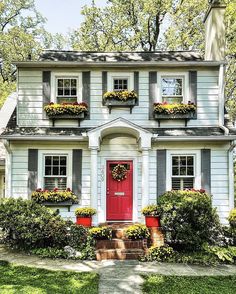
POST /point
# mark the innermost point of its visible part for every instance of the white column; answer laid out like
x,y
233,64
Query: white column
x,y
145,177
94,182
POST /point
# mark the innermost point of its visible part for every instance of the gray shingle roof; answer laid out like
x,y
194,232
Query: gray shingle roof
x,y
56,55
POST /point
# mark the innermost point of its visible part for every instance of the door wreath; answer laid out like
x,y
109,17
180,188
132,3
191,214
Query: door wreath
x,y
119,172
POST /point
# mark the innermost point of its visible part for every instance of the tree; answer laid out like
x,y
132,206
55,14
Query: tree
x,y
121,25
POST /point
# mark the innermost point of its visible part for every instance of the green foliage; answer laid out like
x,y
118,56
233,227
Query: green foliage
x,y
65,108
175,108
27,224
196,257
232,218
137,231
85,211
151,209
77,236
164,253
50,252
120,95
29,280
5,90
158,284
40,196
121,25
224,254
101,232
188,218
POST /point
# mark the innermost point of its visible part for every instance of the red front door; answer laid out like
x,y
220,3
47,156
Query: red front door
x,y
120,193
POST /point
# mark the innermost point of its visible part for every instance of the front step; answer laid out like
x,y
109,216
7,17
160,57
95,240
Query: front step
x,y
120,254
121,244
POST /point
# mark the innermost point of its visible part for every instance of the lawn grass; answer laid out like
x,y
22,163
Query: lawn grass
x,y
28,280
155,284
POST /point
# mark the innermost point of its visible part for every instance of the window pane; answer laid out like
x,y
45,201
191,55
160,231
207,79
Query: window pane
x,y
63,171
55,171
183,160
175,160
55,160
60,82
188,183
175,171
67,92
48,160
73,92
190,160
171,86
66,83
60,92
120,84
182,171
62,160
56,182
190,171
73,83
175,184
48,170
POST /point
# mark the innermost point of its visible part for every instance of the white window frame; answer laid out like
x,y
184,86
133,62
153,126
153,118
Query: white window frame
x,y
111,76
41,165
197,166
60,75
173,74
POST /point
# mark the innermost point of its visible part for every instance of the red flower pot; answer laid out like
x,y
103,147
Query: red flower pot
x,y
152,221
84,221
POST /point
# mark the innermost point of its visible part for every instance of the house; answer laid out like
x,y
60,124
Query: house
x,y
153,153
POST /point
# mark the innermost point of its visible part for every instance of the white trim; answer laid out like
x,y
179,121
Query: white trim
x,y
42,154
120,75
231,178
197,166
103,166
63,74
174,74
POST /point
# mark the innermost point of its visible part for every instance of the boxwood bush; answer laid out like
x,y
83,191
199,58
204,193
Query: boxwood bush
x,y
188,218
27,224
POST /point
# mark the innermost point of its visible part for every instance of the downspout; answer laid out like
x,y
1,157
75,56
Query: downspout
x,y
8,169
231,174
221,100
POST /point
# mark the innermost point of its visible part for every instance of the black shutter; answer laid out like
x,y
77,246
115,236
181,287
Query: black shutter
x,y
32,170
206,170
161,172
136,85
152,91
104,84
46,89
86,90
193,88
77,171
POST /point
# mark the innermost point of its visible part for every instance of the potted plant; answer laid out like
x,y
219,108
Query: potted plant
x,y
84,216
152,215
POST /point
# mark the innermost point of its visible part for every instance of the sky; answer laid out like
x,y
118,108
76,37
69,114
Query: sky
x,y
63,15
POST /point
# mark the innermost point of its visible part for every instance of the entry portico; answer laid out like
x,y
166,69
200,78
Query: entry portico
x,y
132,144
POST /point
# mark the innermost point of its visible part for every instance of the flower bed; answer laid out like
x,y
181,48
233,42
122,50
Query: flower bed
x,y
71,109
120,96
174,109
55,196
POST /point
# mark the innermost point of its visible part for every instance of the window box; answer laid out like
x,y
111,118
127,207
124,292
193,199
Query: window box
x,y
72,111
120,99
67,204
165,111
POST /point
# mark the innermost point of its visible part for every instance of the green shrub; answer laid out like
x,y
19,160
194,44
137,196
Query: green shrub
x,y
101,232
188,218
137,231
85,211
224,254
27,224
77,237
232,218
50,252
163,253
151,209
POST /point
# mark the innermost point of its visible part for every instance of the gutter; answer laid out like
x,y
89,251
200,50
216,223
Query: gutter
x,y
125,64
190,138
45,138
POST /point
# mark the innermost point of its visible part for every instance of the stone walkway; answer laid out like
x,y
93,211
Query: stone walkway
x,y
117,276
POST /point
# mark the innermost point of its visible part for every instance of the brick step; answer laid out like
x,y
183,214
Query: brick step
x,y
120,254
121,244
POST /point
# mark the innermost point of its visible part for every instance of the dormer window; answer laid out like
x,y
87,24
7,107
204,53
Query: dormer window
x,y
120,84
172,89
67,90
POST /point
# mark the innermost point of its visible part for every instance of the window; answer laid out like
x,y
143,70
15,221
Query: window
x,y
66,89
172,89
120,84
182,172
55,172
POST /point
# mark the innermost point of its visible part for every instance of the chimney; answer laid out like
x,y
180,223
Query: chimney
x,y
215,31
